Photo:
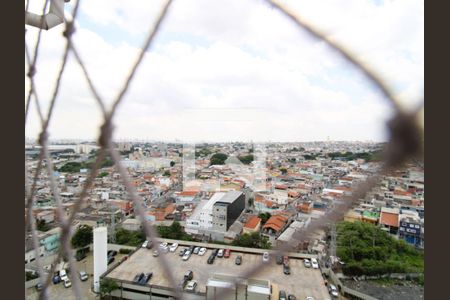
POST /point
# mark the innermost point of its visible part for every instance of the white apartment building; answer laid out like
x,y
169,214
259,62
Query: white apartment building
x,y
202,217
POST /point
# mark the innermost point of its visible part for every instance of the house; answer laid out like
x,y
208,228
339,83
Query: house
x,y
253,224
370,217
275,224
389,219
47,215
132,224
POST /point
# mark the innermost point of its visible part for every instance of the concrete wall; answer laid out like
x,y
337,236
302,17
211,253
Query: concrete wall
x,y
31,283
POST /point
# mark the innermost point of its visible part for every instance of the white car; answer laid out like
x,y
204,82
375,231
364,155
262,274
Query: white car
x,y
334,291
83,276
307,263
173,247
186,255
265,257
191,285
309,298
63,275
144,245
314,263
164,248
220,253
202,251
67,283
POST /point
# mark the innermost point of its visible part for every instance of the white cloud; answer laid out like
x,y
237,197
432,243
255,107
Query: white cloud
x,y
256,78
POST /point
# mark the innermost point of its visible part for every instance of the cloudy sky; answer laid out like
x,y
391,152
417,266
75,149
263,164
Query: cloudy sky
x,y
233,70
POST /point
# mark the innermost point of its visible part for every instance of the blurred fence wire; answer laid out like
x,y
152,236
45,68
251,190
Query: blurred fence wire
x,y
406,141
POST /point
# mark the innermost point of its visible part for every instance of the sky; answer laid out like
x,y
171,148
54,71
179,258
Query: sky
x,y
232,70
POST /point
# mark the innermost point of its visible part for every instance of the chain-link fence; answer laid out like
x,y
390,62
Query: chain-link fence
x,y
406,139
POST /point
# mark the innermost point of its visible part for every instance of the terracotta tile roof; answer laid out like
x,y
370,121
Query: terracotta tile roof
x,y
276,222
389,219
187,193
401,193
281,186
252,222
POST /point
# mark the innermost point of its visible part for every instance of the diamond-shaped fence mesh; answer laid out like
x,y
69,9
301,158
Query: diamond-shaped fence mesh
x,y
406,141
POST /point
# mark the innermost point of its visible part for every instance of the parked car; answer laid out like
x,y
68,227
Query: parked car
x,y
138,277
39,286
291,297
333,290
80,255
182,251
202,251
286,260
155,253
164,248
112,253
307,263
145,278
314,263
286,269
173,247
191,248
227,253
265,257
182,284
67,283
186,255
83,276
282,295
110,259
189,275
211,259
196,250
144,245
191,285
309,298
238,260
279,259
56,279
63,274
220,253
215,252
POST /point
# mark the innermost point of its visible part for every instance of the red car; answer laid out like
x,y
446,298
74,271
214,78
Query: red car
x,y
227,253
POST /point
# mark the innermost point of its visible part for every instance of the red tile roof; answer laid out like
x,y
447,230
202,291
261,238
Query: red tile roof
x,y
276,222
389,219
252,222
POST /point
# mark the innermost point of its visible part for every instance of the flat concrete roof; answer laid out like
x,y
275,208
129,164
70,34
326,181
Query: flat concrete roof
x,y
230,196
302,282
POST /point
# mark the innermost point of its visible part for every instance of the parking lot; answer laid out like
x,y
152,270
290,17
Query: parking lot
x,y
58,291
302,282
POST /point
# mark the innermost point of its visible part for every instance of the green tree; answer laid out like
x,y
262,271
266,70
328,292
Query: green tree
x,y
247,159
107,286
42,225
218,159
368,250
82,237
264,217
166,173
102,174
172,163
283,171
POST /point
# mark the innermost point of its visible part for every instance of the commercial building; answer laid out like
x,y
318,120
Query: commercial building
x,y
215,216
